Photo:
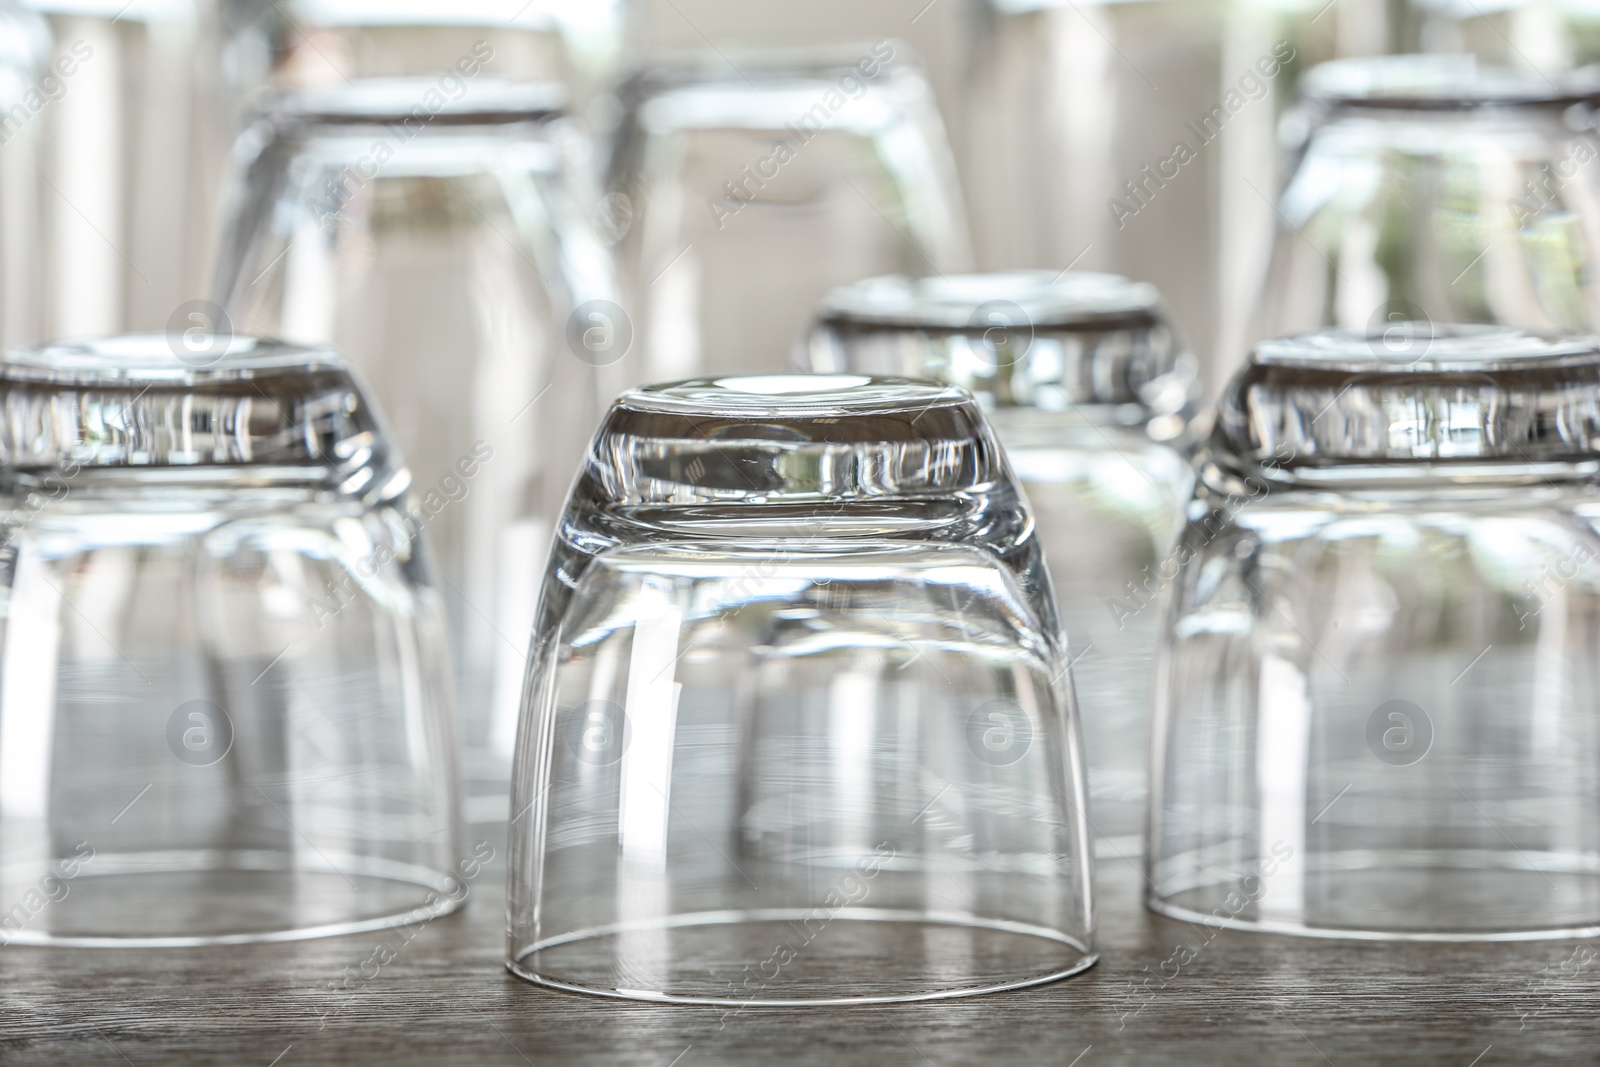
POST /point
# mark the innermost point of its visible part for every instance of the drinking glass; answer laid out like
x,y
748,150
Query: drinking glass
x,y
799,728
1430,187
434,229
225,709
740,192
1376,703
1089,387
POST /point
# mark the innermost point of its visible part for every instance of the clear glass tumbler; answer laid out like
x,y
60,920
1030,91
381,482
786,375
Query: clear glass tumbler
x,y
1378,692
741,191
435,231
225,707
799,728
1089,387
1429,187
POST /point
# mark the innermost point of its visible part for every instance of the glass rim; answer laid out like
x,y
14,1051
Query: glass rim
x,y
1166,908
366,867
1086,958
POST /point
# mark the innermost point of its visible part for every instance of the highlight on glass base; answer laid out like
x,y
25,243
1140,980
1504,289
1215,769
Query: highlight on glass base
x,y
799,726
1375,700
225,707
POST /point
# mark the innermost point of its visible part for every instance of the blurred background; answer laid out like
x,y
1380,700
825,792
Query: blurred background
x,y
115,179
505,211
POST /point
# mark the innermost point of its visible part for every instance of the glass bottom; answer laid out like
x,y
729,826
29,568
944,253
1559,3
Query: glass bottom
x,y
186,899
1463,895
773,958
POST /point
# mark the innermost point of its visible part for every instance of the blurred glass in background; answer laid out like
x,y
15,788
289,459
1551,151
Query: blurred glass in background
x,y
1430,187
1089,387
434,229
1076,113
113,163
742,188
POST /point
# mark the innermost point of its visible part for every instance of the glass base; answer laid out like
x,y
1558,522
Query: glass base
x,y
792,958
1413,896
186,899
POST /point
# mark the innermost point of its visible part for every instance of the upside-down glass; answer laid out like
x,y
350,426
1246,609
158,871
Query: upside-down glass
x,y
1089,387
1429,187
225,708
742,194
1377,704
799,728
449,255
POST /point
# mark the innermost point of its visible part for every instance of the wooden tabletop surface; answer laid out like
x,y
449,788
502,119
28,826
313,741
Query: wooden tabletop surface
x,y
445,998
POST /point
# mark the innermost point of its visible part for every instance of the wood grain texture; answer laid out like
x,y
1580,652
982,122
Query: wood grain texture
x,y
446,999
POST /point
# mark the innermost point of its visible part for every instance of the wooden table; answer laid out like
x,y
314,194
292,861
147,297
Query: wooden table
x,y
446,999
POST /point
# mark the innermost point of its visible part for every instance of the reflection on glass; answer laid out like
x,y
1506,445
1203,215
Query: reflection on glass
x,y
799,724
742,192
436,234
225,707
1088,386
1431,188
1376,707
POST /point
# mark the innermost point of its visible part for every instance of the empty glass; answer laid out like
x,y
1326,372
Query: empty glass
x,y
1429,187
1088,386
1378,694
434,229
225,708
741,192
799,729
